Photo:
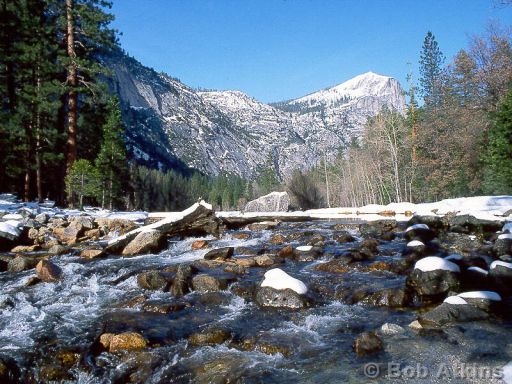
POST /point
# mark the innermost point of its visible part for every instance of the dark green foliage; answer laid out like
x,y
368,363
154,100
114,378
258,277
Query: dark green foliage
x,y
431,61
111,161
83,182
155,190
498,158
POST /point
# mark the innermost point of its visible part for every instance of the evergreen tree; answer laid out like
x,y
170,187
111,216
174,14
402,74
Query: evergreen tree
x,y
111,160
85,25
431,61
82,181
498,159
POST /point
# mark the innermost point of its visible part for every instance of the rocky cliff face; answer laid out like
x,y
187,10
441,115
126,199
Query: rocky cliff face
x,y
170,124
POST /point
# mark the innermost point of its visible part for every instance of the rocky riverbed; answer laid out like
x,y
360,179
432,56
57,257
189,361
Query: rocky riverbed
x,y
308,302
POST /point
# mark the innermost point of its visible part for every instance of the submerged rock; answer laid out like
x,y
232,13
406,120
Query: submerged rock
x,y
209,337
367,343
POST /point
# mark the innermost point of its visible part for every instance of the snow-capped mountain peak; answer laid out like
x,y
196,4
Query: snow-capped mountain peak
x,y
170,124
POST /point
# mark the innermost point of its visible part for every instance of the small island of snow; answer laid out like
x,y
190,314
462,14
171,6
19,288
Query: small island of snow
x,y
278,279
434,263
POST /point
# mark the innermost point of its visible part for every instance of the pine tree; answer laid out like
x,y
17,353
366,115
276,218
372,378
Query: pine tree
x,y
498,159
431,61
82,181
85,25
111,160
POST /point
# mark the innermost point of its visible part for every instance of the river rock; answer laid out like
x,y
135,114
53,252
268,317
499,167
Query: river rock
x,y
9,371
127,341
267,260
421,232
154,280
277,239
92,253
199,244
503,245
273,202
148,241
183,280
68,235
433,277
209,337
263,226
306,253
285,298
42,218
48,272
389,297
391,329
115,227
367,343
472,225
447,314
21,263
344,237
82,223
219,254
207,283
58,249
9,235
500,274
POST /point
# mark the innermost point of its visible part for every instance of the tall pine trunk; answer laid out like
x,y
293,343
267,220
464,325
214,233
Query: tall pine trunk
x,y
72,82
39,165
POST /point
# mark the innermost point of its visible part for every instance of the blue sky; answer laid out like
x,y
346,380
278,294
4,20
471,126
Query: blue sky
x,y
281,49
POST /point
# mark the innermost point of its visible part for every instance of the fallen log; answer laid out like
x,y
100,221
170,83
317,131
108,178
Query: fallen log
x,y
198,220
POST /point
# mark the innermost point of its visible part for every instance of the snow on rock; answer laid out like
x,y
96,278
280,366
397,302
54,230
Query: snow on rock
x,y
273,202
278,279
415,243
500,264
417,226
9,231
486,295
507,227
12,216
455,300
434,263
455,257
505,236
507,373
304,248
479,270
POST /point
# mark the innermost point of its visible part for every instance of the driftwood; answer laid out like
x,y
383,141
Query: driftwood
x,y
236,222
198,220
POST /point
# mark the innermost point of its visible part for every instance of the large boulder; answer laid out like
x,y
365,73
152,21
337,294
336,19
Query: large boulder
x,y
154,280
273,202
500,274
433,277
148,241
451,312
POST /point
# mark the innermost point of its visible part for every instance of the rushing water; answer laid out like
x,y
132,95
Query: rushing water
x,y
39,321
